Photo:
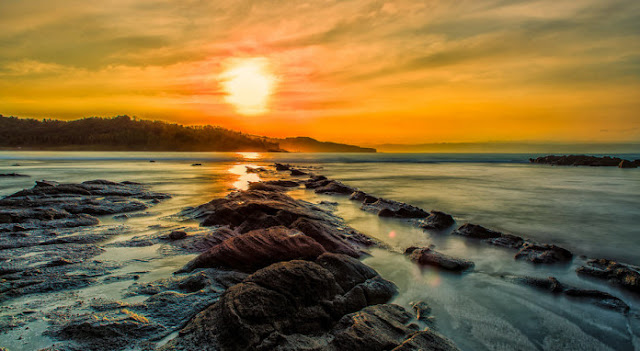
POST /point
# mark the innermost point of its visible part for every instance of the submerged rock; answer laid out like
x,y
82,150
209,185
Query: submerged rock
x,y
437,221
334,187
620,274
428,257
363,197
13,175
551,284
543,253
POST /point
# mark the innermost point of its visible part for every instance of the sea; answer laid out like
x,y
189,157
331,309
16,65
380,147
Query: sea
x,y
592,211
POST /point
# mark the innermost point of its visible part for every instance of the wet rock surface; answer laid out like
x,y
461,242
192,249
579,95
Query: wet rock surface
x,y
428,257
543,253
13,175
437,220
616,273
599,298
390,208
53,205
245,211
333,303
582,160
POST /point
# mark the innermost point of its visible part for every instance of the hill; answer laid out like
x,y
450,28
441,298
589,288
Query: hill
x,y
124,133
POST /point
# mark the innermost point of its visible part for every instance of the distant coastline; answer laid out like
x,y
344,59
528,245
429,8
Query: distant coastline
x,y
123,133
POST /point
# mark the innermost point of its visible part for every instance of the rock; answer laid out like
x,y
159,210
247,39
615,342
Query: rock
x,y
437,221
620,274
316,182
476,232
297,172
627,164
543,253
244,211
302,305
390,208
579,160
429,257
282,167
422,310
256,169
426,340
363,197
506,240
59,262
177,235
196,164
257,249
13,175
551,284
335,187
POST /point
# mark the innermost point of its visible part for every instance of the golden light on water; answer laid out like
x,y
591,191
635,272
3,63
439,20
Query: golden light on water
x,y
249,83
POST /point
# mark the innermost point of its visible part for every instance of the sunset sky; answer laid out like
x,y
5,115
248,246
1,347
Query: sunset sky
x,y
349,71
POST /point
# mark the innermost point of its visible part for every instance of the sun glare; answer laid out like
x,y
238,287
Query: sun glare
x,y
249,84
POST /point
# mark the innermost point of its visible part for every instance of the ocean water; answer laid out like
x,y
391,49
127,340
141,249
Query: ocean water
x,y
592,211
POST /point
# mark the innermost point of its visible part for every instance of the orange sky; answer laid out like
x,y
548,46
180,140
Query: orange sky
x,y
357,71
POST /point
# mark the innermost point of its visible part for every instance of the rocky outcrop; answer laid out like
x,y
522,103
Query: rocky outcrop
x,y
620,274
251,210
258,248
627,164
580,160
475,231
429,257
54,205
437,221
13,175
274,185
333,303
363,197
551,284
297,172
282,167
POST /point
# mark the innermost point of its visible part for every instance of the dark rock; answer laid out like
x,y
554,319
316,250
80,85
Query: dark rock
x,y
429,257
282,167
426,340
256,169
579,160
623,275
334,187
506,240
297,172
476,232
551,284
301,305
196,164
13,175
59,262
438,221
248,210
390,208
422,310
177,235
316,182
363,197
257,249
627,164
543,253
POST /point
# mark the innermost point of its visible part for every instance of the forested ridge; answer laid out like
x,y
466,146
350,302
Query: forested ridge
x,y
125,133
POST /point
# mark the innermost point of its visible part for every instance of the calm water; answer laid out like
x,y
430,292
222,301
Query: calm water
x,y
591,211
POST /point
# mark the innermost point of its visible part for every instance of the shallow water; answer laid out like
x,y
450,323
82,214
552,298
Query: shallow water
x,y
591,211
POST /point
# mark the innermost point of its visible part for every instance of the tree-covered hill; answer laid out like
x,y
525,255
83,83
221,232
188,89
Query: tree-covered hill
x,y
130,134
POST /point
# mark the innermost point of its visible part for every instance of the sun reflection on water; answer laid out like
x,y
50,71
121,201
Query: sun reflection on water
x,y
249,155
244,178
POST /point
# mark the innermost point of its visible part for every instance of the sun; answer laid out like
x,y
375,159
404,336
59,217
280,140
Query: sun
x,y
248,84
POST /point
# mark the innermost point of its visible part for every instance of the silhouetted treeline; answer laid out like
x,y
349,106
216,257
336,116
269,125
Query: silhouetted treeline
x,y
124,133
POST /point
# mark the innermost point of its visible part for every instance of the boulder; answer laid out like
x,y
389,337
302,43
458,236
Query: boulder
x,y
316,182
543,253
428,257
335,187
437,221
363,197
177,235
297,172
620,274
282,167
